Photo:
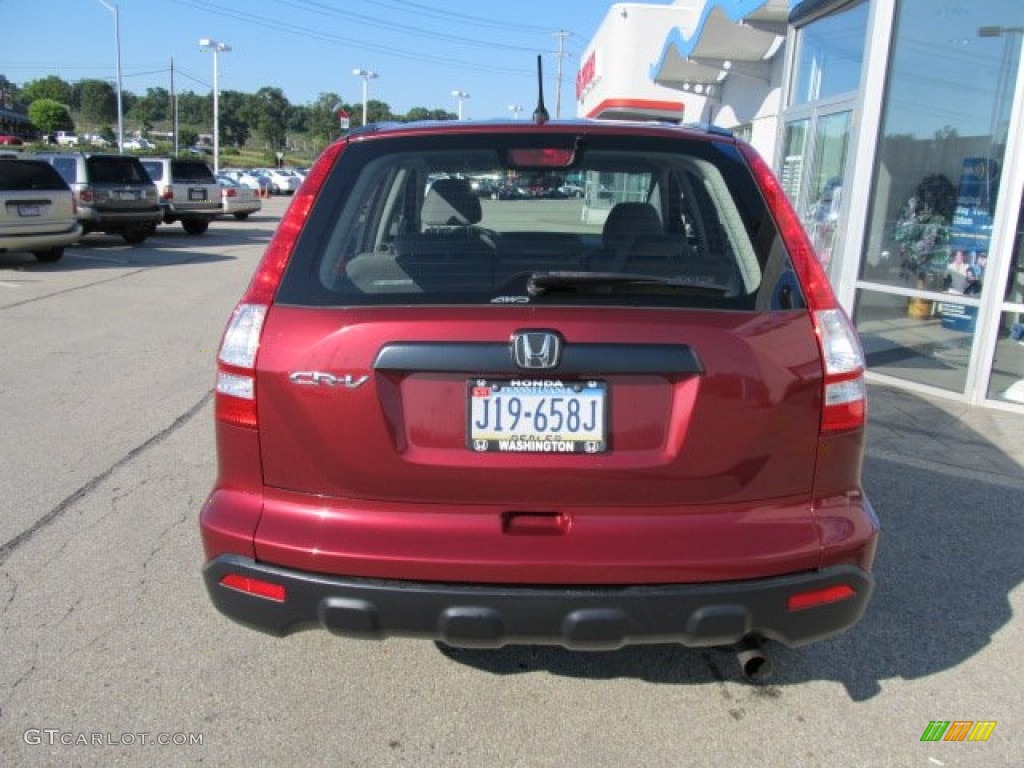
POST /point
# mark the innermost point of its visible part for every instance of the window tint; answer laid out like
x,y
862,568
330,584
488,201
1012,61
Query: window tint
x,y
155,169
29,175
67,167
190,170
116,170
632,221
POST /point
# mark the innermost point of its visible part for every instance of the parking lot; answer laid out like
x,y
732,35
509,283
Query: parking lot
x,y
112,654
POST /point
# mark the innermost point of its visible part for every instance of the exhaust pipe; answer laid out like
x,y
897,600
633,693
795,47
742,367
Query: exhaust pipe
x,y
755,665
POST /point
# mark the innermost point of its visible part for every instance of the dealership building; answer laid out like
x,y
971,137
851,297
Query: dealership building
x,y
897,129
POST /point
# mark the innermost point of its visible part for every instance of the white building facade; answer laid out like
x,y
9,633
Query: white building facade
x,y
897,128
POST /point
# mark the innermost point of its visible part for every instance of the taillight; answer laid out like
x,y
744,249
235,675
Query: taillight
x,y
236,366
236,360
844,395
230,192
845,392
167,193
85,195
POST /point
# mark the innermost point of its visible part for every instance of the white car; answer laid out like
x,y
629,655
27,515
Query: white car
x,y
139,144
253,180
283,181
237,199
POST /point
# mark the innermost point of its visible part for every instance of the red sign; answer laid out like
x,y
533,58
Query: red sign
x,y
586,75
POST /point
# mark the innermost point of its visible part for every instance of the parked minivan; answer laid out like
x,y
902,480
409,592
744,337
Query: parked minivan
x,y
113,193
189,193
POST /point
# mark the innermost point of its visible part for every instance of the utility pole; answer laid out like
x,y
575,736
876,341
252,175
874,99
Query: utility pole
x,y
561,53
174,111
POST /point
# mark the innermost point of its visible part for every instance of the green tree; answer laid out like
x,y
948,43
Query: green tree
x,y
376,112
195,110
51,87
98,101
235,125
141,113
157,101
48,115
322,121
187,137
422,113
270,109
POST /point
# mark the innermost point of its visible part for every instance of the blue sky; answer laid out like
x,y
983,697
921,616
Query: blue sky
x,y
422,49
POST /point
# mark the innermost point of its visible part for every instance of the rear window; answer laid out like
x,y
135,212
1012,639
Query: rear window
x,y
67,167
155,169
17,175
470,219
109,169
191,170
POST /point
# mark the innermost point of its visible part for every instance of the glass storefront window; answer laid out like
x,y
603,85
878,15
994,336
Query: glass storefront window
x,y
830,52
936,184
919,340
1007,377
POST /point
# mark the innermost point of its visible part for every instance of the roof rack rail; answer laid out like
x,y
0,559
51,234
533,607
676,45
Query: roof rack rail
x,y
710,128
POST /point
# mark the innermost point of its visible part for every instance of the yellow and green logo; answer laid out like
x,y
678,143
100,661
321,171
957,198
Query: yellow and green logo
x,y
958,730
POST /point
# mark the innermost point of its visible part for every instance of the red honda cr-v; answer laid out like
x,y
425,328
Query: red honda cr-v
x,y
631,415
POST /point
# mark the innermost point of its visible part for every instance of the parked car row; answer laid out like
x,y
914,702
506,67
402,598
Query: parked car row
x,y
51,199
267,181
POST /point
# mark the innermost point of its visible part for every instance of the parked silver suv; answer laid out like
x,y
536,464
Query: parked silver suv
x,y
189,193
37,214
113,193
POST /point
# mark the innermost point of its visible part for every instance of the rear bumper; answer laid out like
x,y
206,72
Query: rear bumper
x,y
206,212
106,220
40,241
578,618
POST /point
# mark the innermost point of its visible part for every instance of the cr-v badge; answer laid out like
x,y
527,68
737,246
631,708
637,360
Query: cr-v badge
x,y
318,378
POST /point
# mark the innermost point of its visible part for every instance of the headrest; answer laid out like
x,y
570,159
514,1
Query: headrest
x,y
451,201
627,220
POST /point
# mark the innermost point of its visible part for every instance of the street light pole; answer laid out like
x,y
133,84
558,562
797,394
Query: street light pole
x,y
206,44
461,96
366,74
117,46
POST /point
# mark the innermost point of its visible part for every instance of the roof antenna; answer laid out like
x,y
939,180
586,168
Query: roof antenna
x,y
540,114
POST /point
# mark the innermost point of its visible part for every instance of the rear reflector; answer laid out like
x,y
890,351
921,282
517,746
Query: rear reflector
x,y
804,600
254,587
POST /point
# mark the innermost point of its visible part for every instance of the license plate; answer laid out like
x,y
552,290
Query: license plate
x,y
128,195
197,193
542,416
29,210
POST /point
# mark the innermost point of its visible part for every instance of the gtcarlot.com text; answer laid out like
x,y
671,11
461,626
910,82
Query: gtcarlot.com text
x,y
54,737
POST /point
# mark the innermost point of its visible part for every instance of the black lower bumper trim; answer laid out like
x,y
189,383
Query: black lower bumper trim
x,y
580,618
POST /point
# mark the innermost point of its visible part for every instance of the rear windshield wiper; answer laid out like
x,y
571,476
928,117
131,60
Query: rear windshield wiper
x,y
540,283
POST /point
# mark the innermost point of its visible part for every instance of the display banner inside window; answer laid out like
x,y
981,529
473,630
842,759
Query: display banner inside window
x,y
936,186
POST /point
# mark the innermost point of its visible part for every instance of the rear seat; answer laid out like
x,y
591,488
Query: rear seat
x,y
451,254
634,242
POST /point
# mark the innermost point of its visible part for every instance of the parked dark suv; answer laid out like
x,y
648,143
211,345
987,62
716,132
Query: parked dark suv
x,y
636,416
113,193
